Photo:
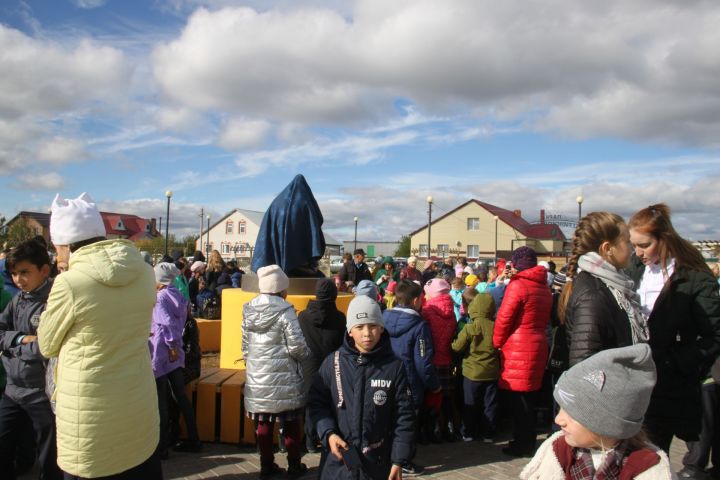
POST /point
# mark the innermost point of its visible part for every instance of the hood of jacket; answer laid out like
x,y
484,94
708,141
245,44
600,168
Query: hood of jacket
x,y
115,263
399,320
320,312
481,309
536,274
443,302
173,300
266,310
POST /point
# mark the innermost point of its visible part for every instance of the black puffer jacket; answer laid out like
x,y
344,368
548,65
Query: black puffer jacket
x,y
376,415
685,340
323,326
594,321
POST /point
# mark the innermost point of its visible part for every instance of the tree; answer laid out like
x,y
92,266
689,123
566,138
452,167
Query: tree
x,y
403,249
19,231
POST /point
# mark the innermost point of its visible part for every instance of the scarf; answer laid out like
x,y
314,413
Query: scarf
x,y
622,288
583,469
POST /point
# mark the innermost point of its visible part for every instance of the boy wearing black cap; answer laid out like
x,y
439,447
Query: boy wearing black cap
x,y
361,402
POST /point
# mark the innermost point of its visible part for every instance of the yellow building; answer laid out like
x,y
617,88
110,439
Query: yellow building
x,y
477,229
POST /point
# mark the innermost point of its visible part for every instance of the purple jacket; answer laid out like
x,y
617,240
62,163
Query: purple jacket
x,y
168,321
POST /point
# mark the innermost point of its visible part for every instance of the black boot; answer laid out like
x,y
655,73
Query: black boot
x,y
296,469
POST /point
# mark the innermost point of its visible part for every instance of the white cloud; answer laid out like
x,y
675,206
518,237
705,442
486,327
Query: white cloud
x,y
60,150
239,133
89,4
43,181
581,69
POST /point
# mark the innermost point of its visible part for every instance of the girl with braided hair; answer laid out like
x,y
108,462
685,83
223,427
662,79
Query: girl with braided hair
x,y
680,296
599,306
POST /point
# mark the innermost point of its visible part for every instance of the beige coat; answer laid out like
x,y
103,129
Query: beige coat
x,y
97,322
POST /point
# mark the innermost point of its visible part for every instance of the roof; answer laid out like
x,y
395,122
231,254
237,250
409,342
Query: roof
x,y
42,218
539,231
257,217
135,227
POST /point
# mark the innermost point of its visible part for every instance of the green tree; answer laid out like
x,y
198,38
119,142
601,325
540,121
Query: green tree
x,y
403,249
19,231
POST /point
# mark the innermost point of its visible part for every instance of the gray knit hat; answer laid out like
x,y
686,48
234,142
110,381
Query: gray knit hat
x,y
363,310
609,392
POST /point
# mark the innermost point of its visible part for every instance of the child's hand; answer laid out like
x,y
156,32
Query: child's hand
x,y
173,354
29,338
395,473
336,445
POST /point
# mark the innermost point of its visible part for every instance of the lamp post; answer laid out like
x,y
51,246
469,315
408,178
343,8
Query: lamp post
x,y
429,201
168,194
496,220
355,242
207,239
579,200
202,216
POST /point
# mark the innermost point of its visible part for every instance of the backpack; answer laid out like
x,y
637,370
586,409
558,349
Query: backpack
x,y
191,346
559,358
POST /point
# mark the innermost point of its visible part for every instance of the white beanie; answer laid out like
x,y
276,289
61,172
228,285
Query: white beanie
x,y
75,220
272,279
363,310
165,273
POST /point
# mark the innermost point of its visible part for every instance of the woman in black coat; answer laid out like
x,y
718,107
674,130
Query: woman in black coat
x,y
680,295
599,306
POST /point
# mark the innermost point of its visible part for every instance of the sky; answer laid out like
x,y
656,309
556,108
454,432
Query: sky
x,y
521,104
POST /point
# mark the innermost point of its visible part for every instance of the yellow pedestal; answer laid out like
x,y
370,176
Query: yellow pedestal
x,y
233,300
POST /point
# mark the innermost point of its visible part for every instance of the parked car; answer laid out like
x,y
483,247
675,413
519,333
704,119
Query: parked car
x,y
336,263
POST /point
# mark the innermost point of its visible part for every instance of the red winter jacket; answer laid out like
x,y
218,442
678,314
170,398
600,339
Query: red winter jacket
x,y
439,312
520,331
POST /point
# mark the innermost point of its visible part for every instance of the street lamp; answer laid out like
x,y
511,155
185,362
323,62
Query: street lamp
x,y
202,216
207,239
168,194
355,243
496,220
579,200
429,201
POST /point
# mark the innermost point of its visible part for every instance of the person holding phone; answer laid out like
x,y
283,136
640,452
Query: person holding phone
x,y
361,404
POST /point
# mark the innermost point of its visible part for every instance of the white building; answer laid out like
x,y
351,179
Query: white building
x,y
235,234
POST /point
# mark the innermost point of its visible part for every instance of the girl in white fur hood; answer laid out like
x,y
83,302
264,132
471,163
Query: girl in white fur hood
x,y
603,400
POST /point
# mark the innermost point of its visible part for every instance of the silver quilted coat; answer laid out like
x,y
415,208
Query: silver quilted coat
x,y
274,349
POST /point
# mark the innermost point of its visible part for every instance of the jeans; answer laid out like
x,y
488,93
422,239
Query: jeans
x,y
12,416
176,382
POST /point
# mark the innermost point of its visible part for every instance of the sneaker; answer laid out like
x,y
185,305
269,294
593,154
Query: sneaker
x,y
411,469
692,473
296,470
188,446
467,439
270,470
488,440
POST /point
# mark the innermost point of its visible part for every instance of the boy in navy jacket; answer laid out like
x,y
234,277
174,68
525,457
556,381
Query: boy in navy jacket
x,y
29,265
361,404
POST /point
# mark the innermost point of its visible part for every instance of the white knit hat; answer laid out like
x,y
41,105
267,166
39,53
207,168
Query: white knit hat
x,y
75,220
272,279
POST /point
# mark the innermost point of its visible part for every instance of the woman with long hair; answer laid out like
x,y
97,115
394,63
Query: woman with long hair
x,y
680,296
599,305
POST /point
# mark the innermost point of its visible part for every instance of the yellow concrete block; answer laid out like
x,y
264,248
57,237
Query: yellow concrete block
x,y
233,300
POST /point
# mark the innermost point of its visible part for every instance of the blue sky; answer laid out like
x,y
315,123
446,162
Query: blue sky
x,y
379,104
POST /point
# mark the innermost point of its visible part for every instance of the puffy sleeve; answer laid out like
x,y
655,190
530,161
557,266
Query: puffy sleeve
x,y
57,319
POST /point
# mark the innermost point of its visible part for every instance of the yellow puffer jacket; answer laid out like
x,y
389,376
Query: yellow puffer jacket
x,y
97,322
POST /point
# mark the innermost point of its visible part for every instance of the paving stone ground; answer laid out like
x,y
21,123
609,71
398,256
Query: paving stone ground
x,y
459,460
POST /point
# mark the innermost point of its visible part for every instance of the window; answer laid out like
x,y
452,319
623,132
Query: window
x,y
473,223
241,227
473,251
228,227
225,248
443,249
423,250
120,225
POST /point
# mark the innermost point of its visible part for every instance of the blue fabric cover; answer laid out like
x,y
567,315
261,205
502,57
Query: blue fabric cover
x,y
291,231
